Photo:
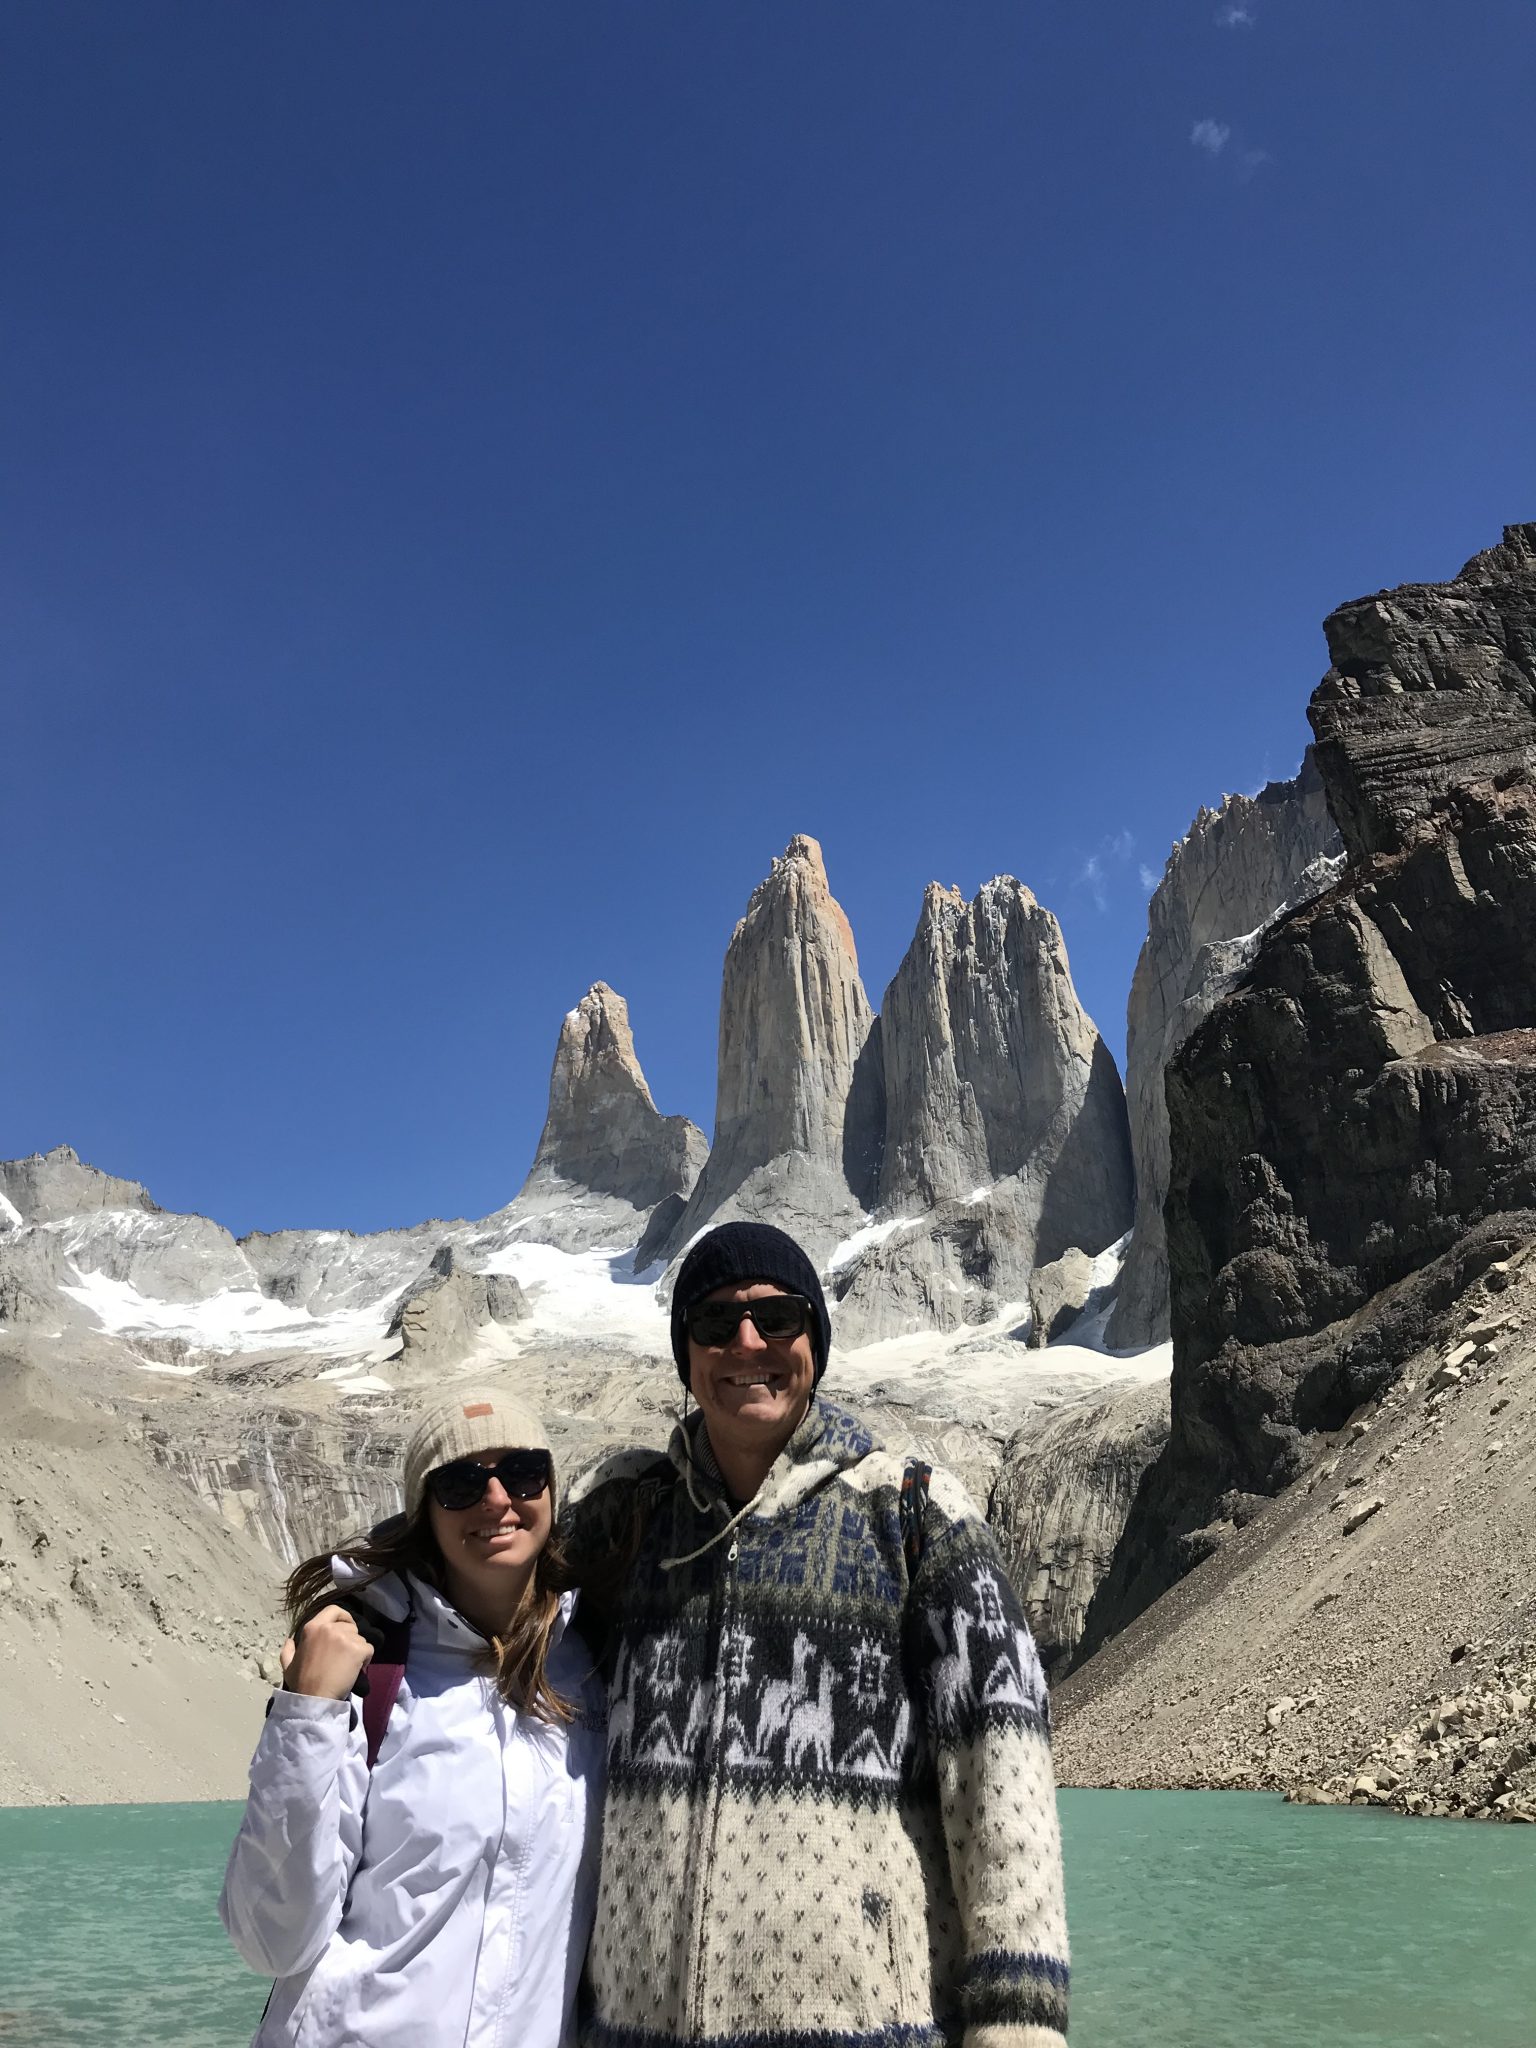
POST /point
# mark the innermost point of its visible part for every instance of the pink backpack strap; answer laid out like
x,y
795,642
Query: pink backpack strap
x,y
379,1684
384,1674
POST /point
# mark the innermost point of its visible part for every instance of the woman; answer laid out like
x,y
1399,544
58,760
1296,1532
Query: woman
x,y
442,1892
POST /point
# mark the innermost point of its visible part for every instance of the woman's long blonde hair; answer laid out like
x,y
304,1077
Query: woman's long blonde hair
x,y
520,1657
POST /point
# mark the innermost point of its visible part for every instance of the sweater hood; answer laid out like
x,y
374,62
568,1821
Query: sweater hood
x,y
827,1441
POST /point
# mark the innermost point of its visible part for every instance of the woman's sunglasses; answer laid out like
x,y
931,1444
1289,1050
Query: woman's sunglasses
x,y
524,1475
776,1318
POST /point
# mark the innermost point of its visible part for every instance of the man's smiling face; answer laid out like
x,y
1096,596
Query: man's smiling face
x,y
752,1389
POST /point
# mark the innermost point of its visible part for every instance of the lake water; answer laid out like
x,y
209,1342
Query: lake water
x,y
1199,1920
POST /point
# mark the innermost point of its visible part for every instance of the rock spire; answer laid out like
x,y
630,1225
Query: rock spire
x,y
603,1131
607,1159
798,1101
1005,1131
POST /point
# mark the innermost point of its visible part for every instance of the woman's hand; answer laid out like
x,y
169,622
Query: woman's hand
x,y
326,1656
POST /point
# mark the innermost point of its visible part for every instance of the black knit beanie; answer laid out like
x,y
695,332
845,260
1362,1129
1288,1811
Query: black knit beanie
x,y
735,1254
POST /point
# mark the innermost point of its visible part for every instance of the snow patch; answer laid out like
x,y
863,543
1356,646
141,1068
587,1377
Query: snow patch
x,y
587,1295
236,1319
984,1375
853,1248
11,1217
180,1372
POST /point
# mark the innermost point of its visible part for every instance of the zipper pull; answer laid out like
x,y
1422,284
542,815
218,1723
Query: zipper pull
x,y
733,1553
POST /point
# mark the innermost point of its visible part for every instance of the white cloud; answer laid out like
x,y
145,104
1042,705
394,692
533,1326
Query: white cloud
x,y
1235,17
1091,877
1211,136
1114,851
1250,161
1149,880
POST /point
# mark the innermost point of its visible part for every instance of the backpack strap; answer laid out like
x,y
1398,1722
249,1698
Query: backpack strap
x,y
378,1683
913,1507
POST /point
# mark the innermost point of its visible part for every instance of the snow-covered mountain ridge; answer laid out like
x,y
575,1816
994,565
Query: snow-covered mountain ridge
x,y
958,1163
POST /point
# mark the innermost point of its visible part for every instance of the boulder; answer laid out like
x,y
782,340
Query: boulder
x,y
1058,1295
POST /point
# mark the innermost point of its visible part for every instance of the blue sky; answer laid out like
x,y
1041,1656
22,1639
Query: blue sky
x,y
479,479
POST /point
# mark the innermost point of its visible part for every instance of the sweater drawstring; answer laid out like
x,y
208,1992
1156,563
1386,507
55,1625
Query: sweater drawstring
x,y
702,1505
669,1564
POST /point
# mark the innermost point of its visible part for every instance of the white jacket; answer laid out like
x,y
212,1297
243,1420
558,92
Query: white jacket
x,y
447,1896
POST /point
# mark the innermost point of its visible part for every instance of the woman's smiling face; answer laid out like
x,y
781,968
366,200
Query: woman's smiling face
x,y
489,1550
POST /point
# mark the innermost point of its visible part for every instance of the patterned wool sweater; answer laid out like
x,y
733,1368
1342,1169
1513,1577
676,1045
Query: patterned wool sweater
x,y
831,1816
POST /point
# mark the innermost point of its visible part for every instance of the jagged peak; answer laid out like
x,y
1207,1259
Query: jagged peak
x,y
945,905
603,1131
596,1047
799,876
1238,807
1514,554
804,848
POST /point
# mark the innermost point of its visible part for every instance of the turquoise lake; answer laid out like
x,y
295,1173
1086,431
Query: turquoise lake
x,y
1199,1920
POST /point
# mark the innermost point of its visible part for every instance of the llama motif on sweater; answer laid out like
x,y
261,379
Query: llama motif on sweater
x,y
831,1814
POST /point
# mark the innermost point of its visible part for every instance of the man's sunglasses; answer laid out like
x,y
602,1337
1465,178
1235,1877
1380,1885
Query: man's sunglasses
x,y
524,1475
775,1317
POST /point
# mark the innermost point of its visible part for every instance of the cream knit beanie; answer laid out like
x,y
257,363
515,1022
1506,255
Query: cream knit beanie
x,y
462,1424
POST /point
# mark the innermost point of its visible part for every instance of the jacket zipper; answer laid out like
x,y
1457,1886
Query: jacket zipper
x,y
694,2021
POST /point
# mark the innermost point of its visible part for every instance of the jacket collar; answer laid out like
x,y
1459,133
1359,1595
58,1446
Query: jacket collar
x,y
395,1596
826,1441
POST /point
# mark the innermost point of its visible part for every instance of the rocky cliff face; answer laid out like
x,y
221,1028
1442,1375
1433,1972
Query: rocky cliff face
x,y
1060,1502
1231,873
798,1097
49,1185
1432,689
1005,1138
322,1272
607,1157
132,1622
1353,1128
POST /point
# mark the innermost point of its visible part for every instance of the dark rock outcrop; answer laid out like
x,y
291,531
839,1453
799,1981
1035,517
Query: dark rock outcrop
x,y
799,1107
1005,1131
1228,877
1432,689
1355,1124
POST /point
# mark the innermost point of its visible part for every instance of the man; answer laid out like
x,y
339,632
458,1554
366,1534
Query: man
x,y
830,1813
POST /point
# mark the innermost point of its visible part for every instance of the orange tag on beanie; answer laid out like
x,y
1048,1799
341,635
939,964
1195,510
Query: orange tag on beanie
x,y
475,1409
